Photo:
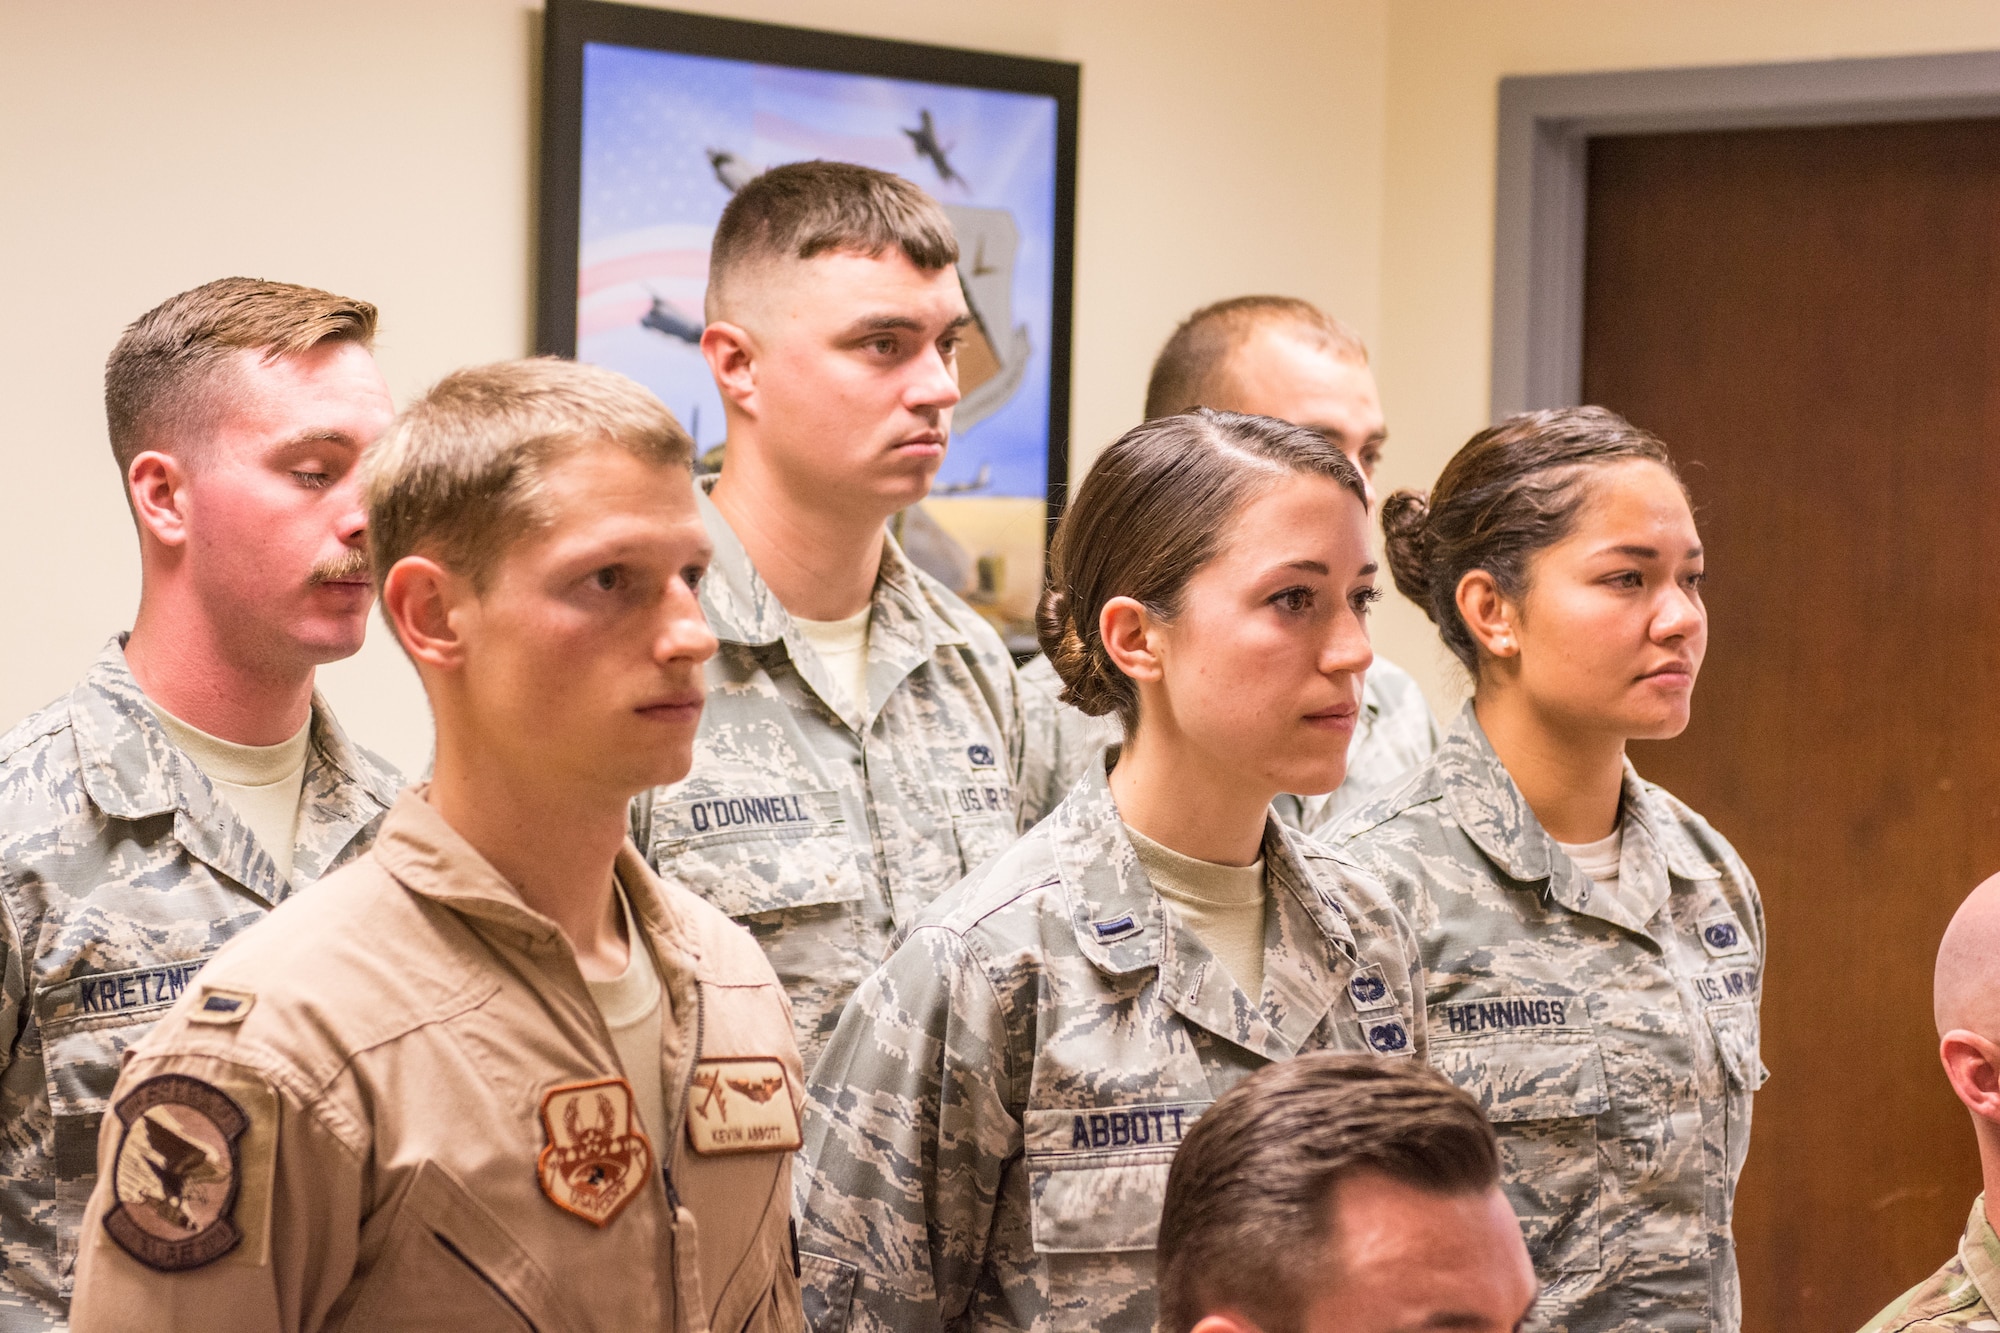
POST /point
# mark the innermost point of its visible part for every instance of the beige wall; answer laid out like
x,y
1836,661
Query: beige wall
x,y
384,149
1340,150
1446,58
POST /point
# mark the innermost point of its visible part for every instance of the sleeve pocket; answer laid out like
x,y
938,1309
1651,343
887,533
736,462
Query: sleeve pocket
x,y
1735,1029
1543,1097
1099,1209
827,1288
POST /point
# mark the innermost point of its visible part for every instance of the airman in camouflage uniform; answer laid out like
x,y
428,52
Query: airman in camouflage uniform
x,y
991,1127
825,826
1616,1057
1962,1295
1395,733
121,873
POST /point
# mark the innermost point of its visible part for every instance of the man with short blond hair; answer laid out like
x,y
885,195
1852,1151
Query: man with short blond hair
x,y
497,1074
1271,356
862,748
193,778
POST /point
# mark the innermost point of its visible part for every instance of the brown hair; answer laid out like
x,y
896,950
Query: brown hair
x,y
1250,1194
1514,489
1193,367
805,209
459,474
163,380
1149,514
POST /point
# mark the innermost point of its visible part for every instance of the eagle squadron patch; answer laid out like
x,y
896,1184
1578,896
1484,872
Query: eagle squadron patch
x,y
177,1174
597,1158
742,1105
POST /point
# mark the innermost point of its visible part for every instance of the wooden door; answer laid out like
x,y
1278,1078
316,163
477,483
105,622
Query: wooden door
x,y
1811,320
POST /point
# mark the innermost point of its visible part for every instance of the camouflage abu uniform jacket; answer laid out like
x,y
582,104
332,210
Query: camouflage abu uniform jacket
x,y
1616,1057
1396,733
827,828
1961,1296
121,873
990,1128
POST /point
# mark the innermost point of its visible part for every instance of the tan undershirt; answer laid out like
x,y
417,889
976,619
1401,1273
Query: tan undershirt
x,y
261,783
843,646
1600,860
1222,905
631,1005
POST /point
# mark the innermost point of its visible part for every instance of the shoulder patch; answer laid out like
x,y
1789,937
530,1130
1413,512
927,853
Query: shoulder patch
x,y
177,1174
742,1104
220,1007
596,1158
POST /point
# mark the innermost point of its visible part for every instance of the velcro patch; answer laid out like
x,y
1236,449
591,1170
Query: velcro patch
x,y
1110,1129
1510,1013
1369,990
130,991
1385,1034
771,811
1720,987
597,1158
1721,935
741,1105
177,1174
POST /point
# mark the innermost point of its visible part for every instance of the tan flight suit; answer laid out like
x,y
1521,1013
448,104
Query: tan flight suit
x,y
394,1106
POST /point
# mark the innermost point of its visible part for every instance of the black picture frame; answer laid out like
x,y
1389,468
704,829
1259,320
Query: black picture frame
x,y
570,25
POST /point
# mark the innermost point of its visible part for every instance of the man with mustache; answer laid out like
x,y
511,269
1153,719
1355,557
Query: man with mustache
x,y
193,779
862,747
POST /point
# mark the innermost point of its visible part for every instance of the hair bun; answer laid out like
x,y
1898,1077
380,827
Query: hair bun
x,y
1081,671
1406,540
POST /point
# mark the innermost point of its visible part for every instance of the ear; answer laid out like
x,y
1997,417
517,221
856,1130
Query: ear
x,y
1224,1323
420,597
1488,614
1973,1065
1127,630
157,484
732,358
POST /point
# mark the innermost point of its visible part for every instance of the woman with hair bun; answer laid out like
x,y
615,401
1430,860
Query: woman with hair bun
x,y
1595,950
990,1128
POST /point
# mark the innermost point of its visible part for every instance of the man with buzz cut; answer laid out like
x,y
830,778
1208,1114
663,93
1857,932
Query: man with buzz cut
x,y
193,778
1270,356
862,746
494,1074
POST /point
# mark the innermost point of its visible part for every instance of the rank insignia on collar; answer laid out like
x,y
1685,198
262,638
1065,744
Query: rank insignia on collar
x,y
177,1174
597,1158
742,1105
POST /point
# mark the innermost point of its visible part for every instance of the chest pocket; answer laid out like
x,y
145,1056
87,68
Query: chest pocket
x,y
87,1023
759,851
1097,1177
1543,1094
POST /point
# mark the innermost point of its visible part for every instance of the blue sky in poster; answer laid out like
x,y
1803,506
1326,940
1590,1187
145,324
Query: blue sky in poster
x,y
650,200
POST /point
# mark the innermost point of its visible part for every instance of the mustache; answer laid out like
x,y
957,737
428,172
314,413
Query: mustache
x,y
353,565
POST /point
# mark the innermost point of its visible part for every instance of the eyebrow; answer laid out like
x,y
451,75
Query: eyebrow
x,y
898,323
317,435
1315,567
1647,552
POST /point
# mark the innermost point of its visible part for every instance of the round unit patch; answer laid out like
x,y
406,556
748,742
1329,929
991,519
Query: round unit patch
x,y
177,1174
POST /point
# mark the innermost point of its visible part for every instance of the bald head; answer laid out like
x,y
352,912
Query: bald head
x,y
1966,992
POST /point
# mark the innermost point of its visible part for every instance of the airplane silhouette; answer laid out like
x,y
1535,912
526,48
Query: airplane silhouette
x,y
663,318
181,1163
980,481
731,171
924,140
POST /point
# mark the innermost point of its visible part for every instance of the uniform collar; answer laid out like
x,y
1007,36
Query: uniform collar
x,y
133,770
433,860
1122,926
1979,1251
906,626
1486,804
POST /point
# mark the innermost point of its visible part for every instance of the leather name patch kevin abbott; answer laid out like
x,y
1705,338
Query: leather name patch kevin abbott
x,y
742,1104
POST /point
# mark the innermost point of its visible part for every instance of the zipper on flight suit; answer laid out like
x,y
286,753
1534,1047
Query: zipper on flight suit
x,y
491,1285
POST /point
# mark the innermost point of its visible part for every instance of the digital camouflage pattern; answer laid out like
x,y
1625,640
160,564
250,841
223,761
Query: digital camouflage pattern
x,y
121,873
1615,1056
1961,1296
990,1129
1395,733
826,828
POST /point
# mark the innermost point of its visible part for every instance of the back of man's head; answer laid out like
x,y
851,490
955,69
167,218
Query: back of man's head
x,y
804,209
459,475
1250,1196
169,377
1193,369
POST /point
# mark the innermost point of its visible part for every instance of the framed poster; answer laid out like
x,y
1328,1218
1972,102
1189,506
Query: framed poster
x,y
652,118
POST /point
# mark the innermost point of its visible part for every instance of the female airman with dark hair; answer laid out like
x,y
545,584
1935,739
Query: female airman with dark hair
x,y
991,1126
1594,949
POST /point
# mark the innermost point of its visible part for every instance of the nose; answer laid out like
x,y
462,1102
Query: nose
x,y
1679,615
1347,649
933,383
685,637
351,526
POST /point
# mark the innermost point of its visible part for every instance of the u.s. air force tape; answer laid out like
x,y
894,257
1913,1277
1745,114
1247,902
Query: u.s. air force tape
x,y
177,1175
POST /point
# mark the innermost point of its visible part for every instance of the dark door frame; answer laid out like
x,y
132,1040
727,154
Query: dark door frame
x,y
1547,121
